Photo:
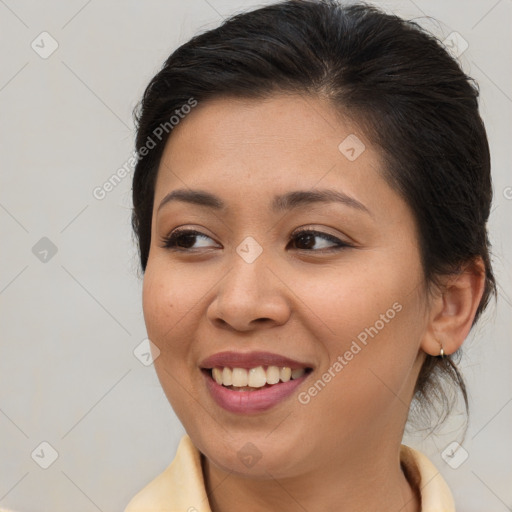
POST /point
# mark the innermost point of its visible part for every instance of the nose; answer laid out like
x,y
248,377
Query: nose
x,y
251,295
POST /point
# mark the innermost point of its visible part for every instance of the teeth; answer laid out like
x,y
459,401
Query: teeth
x,y
227,376
258,377
285,373
299,372
217,375
272,375
240,377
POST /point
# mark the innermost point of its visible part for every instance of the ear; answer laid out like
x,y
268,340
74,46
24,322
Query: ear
x,y
453,309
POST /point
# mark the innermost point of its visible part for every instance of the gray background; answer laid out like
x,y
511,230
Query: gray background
x,y
71,320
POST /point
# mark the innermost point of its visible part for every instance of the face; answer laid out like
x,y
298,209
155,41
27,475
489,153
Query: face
x,y
326,282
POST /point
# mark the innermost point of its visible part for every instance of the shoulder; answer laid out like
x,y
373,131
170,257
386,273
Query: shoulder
x,y
426,478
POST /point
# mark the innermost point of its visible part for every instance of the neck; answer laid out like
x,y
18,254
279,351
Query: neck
x,y
355,484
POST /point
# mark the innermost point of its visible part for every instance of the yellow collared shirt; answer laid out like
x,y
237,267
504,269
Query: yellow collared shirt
x,y
180,488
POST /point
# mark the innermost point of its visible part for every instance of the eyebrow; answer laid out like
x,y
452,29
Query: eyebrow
x,y
285,202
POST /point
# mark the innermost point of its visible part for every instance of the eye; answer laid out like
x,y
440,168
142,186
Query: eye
x,y
307,238
184,240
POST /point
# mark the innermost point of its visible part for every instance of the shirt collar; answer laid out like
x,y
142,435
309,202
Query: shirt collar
x,y
181,488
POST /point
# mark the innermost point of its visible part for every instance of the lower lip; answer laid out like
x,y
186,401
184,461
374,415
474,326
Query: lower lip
x,y
244,402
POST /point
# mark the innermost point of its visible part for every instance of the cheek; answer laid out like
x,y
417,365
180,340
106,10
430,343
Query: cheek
x,y
166,302
372,320
168,307
158,304
351,300
169,294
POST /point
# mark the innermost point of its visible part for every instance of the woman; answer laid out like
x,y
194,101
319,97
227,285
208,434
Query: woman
x,y
310,205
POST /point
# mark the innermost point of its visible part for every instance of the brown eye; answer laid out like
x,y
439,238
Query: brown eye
x,y
306,240
183,239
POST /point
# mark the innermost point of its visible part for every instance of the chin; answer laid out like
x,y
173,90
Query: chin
x,y
254,455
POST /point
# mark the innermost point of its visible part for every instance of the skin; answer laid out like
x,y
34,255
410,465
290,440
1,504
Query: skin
x,y
341,450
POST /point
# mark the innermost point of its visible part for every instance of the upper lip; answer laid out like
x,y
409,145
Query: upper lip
x,y
250,360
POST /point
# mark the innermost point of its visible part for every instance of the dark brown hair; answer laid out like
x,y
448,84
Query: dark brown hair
x,y
388,75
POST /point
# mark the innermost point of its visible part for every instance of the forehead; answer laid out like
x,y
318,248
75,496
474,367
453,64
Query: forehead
x,y
283,122
272,139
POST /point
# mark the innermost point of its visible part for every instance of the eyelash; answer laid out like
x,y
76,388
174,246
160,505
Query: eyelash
x,y
169,242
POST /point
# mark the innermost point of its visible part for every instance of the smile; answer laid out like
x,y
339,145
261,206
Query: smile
x,y
252,382
241,379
